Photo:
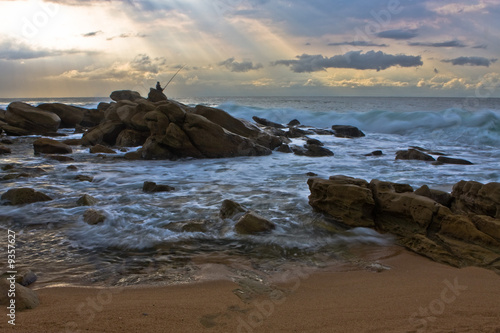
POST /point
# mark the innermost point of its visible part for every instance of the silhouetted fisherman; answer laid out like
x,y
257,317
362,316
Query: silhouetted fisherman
x,y
158,87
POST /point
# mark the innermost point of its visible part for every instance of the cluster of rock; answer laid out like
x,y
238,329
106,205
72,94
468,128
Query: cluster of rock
x,y
460,229
166,129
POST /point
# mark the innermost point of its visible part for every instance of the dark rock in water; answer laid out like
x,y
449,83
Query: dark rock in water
x,y
347,131
100,149
156,95
231,210
151,187
86,200
72,168
4,150
25,297
266,122
21,196
84,178
27,117
133,155
311,174
128,95
413,154
293,122
449,160
188,226
441,197
60,158
295,132
311,151
314,142
375,153
70,115
49,146
8,167
251,223
25,277
284,148
320,131
6,142
93,216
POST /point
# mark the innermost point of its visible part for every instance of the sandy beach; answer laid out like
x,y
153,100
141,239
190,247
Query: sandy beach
x,y
414,295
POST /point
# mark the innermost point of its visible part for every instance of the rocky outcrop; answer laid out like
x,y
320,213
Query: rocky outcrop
x,y
470,197
21,196
70,115
265,122
156,96
413,154
311,150
50,146
347,131
449,160
460,229
120,95
29,118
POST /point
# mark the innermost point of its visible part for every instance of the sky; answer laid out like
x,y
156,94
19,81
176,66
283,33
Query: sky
x,y
77,48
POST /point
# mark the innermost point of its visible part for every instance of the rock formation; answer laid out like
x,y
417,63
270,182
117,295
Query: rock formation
x,y
460,229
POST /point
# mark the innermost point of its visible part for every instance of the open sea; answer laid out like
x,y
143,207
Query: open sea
x,y
137,244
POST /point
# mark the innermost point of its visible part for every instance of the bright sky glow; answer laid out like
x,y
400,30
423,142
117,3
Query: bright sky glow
x,y
72,48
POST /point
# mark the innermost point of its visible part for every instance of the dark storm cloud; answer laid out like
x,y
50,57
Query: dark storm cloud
x,y
355,59
14,50
92,33
358,43
235,66
471,61
450,43
398,34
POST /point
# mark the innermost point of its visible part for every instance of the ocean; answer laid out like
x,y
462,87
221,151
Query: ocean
x,y
137,244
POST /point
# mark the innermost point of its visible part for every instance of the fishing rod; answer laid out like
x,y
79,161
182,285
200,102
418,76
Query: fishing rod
x,y
173,77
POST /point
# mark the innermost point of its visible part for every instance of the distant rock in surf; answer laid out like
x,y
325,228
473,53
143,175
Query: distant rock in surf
x,y
347,131
413,154
50,146
449,160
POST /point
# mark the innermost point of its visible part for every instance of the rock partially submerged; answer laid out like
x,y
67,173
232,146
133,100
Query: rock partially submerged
x,y
247,222
347,131
151,187
31,119
50,146
413,154
21,196
460,229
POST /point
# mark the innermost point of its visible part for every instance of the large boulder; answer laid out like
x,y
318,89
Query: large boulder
x,y
214,141
92,118
120,95
413,154
21,196
35,120
107,133
131,138
70,115
476,198
347,131
252,223
347,200
177,141
12,130
224,119
50,146
156,95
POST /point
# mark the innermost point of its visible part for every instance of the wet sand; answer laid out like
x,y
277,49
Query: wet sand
x,y
415,295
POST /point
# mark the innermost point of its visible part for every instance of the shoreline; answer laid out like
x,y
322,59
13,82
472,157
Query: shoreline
x,y
415,295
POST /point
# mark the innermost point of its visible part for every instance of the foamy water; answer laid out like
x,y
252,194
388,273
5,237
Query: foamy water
x,y
134,244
